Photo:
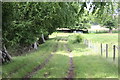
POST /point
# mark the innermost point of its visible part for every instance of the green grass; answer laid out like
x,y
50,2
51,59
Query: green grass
x,y
30,61
103,38
106,38
94,67
58,65
0,72
87,62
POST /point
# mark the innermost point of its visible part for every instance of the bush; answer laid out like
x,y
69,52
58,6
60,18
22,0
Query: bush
x,y
78,39
75,38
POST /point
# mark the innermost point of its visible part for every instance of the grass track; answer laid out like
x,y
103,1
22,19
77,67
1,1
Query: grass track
x,y
87,63
57,67
32,60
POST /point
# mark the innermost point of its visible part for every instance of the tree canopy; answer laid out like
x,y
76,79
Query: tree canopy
x,y
25,22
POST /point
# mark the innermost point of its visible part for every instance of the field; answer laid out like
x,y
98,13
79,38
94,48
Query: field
x,y
110,39
59,57
103,38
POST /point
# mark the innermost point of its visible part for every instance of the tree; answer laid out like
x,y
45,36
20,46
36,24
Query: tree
x,y
105,14
110,24
24,23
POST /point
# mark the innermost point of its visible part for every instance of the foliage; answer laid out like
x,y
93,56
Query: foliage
x,y
24,23
111,24
106,14
76,38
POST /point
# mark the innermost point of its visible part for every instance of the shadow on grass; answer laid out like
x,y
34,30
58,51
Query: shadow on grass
x,y
20,64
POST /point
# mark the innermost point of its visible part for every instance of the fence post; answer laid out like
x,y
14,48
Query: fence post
x,y
106,50
113,52
87,43
101,49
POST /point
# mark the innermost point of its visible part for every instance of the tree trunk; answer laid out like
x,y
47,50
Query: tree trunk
x,y
40,41
5,55
43,38
0,57
110,30
46,37
35,45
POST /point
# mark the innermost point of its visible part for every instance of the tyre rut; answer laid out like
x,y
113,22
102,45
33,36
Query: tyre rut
x,y
70,73
39,67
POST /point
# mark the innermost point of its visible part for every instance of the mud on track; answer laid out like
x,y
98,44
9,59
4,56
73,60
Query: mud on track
x,y
70,73
42,65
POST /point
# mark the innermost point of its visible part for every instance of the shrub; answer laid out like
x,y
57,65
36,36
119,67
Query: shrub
x,y
75,39
78,39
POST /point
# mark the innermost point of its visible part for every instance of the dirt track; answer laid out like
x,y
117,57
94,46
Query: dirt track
x,y
42,65
70,73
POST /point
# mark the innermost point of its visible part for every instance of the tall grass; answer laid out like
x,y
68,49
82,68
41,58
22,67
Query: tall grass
x,y
28,62
89,64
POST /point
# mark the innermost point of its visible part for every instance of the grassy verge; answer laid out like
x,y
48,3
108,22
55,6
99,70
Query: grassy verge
x,y
89,64
94,67
107,38
28,62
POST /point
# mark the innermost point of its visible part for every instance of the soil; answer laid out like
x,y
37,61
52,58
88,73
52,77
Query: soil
x,y
70,73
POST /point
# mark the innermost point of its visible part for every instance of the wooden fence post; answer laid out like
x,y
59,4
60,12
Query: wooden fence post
x,y
106,50
87,43
113,52
101,49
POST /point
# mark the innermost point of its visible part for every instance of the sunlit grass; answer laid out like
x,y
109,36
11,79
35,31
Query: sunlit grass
x,y
106,38
91,66
88,64
103,38
87,61
56,68
58,65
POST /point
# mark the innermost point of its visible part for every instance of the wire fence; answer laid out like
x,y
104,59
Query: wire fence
x,y
105,50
